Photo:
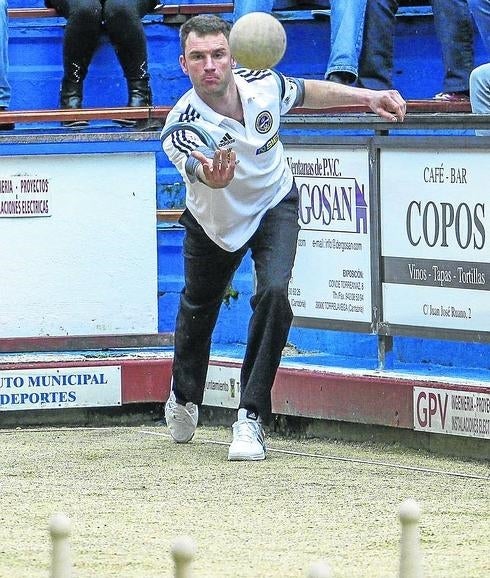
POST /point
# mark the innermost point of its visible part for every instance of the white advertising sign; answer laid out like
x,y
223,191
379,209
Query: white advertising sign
x,y
222,387
434,227
332,273
27,195
54,388
463,413
91,267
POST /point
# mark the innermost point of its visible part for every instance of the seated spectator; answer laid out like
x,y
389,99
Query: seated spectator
x,y
4,65
480,93
347,23
453,25
121,20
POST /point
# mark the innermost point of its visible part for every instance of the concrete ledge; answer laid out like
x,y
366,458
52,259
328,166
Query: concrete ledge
x,y
307,401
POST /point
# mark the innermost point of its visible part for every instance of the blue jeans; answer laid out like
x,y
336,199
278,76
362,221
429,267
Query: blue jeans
x,y
480,9
376,59
208,270
347,26
346,22
4,56
480,93
241,7
454,29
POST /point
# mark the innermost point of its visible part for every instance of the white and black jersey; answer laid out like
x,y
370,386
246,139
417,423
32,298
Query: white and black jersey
x,y
230,216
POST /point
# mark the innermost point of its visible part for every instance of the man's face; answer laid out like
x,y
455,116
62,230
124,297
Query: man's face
x,y
208,63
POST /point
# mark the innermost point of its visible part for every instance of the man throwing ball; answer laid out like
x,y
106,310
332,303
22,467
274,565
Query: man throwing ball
x,y
223,137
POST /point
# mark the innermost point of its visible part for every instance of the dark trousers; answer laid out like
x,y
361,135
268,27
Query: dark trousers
x,y
208,270
454,29
376,58
121,19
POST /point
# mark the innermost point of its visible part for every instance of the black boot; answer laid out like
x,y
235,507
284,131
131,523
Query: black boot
x,y
139,95
139,92
342,77
71,95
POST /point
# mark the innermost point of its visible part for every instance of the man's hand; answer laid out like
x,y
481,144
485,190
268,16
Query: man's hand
x,y
219,171
388,104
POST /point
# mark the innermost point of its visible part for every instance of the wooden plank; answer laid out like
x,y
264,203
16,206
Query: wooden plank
x,y
83,342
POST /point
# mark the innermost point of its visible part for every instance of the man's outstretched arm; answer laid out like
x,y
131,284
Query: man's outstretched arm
x,y
388,104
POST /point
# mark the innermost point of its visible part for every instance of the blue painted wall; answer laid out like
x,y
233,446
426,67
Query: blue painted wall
x,y
35,55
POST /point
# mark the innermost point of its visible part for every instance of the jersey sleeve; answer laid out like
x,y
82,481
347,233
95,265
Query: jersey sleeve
x,y
179,139
291,92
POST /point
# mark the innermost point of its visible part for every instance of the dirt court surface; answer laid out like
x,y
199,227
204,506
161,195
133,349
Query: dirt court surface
x,y
130,491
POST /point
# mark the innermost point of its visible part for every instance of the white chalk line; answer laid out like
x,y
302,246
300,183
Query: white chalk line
x,y
341,459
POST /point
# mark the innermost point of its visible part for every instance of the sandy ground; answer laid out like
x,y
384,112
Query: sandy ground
x,y
130,492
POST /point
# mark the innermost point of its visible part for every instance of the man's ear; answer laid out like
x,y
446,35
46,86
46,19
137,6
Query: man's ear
x,y
233,63
183,64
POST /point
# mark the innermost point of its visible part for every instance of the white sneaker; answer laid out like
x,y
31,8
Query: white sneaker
x,y
181,419
248,439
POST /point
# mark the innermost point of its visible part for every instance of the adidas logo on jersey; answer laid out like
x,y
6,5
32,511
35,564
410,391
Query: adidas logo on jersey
x,y
226,141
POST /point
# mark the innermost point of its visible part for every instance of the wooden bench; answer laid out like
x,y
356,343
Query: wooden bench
x,y
177,13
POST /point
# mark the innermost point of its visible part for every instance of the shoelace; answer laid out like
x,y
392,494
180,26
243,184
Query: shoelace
x,y
249,431
179,412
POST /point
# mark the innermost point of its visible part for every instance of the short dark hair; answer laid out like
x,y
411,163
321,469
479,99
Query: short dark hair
x,y
202,25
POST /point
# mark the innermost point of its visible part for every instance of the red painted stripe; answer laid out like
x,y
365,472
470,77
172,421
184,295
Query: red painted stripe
x,y
344,397
146,380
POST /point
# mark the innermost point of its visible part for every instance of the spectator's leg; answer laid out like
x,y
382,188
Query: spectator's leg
x,y
4,65
241,7
346,25
4,57
454,29
123,23
480,9
376,61
480,93
82,32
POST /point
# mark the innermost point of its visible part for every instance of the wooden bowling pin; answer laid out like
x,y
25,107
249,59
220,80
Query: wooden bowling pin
x,y
60,529
410,553
183,550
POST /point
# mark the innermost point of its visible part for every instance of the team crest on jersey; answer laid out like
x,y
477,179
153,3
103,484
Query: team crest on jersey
x,y
263,122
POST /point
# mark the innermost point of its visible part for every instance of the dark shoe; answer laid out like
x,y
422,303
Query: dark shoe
x,y
71,98
139,95
5,125
462,96
342,77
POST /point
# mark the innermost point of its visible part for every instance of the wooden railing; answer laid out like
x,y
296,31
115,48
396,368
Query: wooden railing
x,y
161,112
